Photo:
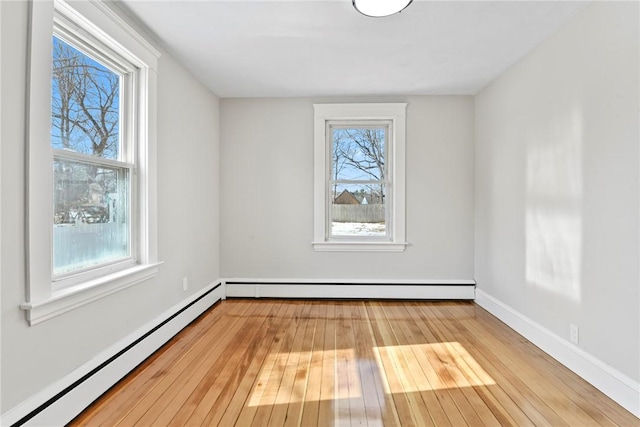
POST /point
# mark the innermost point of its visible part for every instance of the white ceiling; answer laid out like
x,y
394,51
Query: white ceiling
x,y
269,48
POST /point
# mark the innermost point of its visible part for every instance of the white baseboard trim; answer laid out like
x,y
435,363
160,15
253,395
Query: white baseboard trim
x,y
62,401
372,289
616,385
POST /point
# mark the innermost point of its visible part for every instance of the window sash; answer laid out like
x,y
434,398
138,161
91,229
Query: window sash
x,y
330,236
387,126
128,106
70,278
87,44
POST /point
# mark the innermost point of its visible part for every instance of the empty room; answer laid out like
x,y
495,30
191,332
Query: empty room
x,y
319,212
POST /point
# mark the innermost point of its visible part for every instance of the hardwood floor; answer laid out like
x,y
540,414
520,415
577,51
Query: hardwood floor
x,y
351,363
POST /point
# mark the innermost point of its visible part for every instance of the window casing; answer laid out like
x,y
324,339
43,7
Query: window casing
x,y
359,189
91,164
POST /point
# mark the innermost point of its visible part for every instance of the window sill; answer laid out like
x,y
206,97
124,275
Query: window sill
x,y
359,246
70,298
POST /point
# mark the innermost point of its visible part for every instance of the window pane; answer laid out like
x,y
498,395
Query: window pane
x,y
85,104
358,153
90,224
358,210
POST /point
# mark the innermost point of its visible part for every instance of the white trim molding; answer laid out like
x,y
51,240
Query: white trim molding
x,y
353,289
1,145
359,246
62,401
70,298
616,385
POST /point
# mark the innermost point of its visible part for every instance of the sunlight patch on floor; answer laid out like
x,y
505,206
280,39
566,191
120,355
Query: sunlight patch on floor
x,y
271,387
401,368
426,367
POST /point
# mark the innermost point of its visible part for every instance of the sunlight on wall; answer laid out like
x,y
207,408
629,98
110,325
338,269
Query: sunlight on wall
x,y
458,368
554,209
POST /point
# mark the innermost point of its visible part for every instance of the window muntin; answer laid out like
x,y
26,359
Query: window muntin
x,y
358,185
93,165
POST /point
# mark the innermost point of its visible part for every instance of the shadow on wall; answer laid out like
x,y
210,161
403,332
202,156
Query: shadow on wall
x,y
554,207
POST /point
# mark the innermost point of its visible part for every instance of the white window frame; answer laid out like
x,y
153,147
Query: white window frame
x,y
93,21
357,114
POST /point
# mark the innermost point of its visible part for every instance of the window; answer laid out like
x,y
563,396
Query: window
x,y
359,177
91,172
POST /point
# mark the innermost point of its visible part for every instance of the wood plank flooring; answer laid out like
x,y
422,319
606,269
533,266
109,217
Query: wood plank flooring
x,y
351,363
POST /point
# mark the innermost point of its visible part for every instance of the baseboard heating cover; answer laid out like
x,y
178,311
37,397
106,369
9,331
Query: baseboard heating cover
x,y
330,289
64,400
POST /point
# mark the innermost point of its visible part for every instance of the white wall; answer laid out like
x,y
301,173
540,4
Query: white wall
x,y
557,221
188,224
267,193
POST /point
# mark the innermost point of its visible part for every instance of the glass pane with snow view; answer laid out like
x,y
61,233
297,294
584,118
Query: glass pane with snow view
x,y
91,215
358,210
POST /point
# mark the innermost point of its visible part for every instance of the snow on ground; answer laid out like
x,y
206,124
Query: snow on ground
x,y
357,229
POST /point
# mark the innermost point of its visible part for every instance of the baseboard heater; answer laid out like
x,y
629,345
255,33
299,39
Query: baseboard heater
x,y
336,289
64,400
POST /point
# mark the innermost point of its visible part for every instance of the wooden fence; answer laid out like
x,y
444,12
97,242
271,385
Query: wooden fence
x,y
357,213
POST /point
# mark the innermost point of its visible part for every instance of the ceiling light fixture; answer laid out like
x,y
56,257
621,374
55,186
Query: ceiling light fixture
x,y
379,8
